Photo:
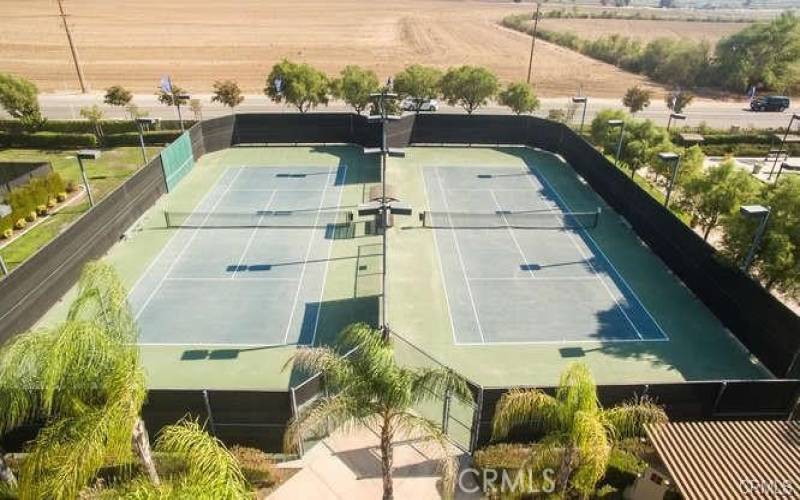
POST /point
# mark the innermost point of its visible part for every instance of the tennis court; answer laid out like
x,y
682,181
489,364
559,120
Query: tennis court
x,y
520,264
247,267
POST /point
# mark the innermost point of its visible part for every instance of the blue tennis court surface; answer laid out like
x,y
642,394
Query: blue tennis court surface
x,y
243,286
510,285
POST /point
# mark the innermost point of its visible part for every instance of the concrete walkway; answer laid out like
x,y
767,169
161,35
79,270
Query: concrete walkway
x,y
347,466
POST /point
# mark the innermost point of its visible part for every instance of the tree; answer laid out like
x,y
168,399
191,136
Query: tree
x,y
116,95
468,86
369,388
354,86
763,54
636,99
420,83
19,98
777,260
300,85
642,140
84,378
678,101
227,93
519,97
94,114
578,433
178,95
718,193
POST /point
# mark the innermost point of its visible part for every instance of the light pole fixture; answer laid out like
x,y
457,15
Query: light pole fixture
x,y
621,125
177,99
581,100
786,166
383,209
87,154
675,159
794,117
140,124
756,212
674,116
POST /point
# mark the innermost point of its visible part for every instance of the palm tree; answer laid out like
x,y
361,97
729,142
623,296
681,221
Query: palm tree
x,y
578,434
368,388
84,380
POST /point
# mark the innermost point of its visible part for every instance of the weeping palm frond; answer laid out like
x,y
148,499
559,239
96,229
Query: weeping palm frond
x,y
576,390
323,416
435,381
629,419
410,425
593,446
533,408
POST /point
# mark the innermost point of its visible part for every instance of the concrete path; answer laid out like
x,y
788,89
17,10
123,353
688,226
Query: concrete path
x,y
347,466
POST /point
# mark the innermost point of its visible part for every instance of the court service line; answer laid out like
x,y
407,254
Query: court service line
x,y
556,342
200,279
305,260
328,261
186,246
539,278
439,258
588,236
591,266
525,260
460,257
253,234
174,236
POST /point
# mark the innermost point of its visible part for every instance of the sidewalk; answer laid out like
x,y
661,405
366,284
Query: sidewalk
x,y
348,467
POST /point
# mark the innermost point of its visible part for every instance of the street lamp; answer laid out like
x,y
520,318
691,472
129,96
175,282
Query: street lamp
x,y
140,124
756,212
783,142
674,116
87,154
581,100
674,158
621,125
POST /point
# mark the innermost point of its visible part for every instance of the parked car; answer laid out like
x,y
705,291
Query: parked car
x,y
409,104
770,103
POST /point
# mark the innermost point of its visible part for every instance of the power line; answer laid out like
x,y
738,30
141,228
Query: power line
x,y
75,58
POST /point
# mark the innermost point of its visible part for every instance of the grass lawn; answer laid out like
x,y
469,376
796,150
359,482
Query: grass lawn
x,y
105,174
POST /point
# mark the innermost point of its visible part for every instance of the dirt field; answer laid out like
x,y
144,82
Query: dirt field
x,y
198,41
643,30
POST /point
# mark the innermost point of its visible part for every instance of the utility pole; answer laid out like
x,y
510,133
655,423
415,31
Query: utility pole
x,y
72,48
533,39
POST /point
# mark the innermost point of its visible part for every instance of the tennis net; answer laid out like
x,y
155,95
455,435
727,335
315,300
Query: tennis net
x,y
529,219
262,218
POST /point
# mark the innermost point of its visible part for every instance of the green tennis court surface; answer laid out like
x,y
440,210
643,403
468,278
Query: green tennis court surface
x,y
544,281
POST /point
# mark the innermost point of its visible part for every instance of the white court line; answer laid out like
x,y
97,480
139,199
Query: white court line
x,y
186,246
605,257
550,278
439,260
172,238
264,190
556,342
588,261
328,261
460,257
199,279
194,346
253,234
305,260
525,260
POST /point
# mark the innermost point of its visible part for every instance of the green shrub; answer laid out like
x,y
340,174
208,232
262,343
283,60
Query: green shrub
x,y
31,217
7,233
132,138
61,197
257,467
623,469
51,203
608,492
48,140
86,127
502,456
71,187
20,224
41,210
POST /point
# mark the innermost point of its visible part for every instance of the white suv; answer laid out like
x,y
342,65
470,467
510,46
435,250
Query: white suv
x,y
409,104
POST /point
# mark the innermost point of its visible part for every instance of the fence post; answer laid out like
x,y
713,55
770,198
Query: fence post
x,y
476,421
295,411
210,415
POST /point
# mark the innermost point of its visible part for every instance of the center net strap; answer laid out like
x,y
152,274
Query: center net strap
x,y
260,218
529,219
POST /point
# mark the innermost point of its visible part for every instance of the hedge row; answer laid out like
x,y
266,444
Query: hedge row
x,y
52,140
745,150
32,200
86,127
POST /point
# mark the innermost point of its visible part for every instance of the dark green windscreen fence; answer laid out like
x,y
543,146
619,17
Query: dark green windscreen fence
x,y
177,160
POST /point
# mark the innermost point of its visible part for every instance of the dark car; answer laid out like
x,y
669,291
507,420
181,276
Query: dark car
x,y
770,103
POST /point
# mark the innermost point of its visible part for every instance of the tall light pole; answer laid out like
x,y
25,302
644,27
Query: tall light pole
x,y
674,116
75,59
533,39
783,143
87,154
621,125
579,100
140,124
754,212
675,159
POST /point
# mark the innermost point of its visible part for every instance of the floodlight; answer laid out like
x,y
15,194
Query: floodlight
x,y
579,100
88,154
677,116
753,211
147,121
615,123
668,156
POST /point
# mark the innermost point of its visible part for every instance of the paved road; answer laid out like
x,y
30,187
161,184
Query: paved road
x,y
714,113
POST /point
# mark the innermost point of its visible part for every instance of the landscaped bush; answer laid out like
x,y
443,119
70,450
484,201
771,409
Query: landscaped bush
x,y
61,197
7,233
31,217
86,127
41,210
132,138
48,140
623,469
257,467
20,224
33,199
